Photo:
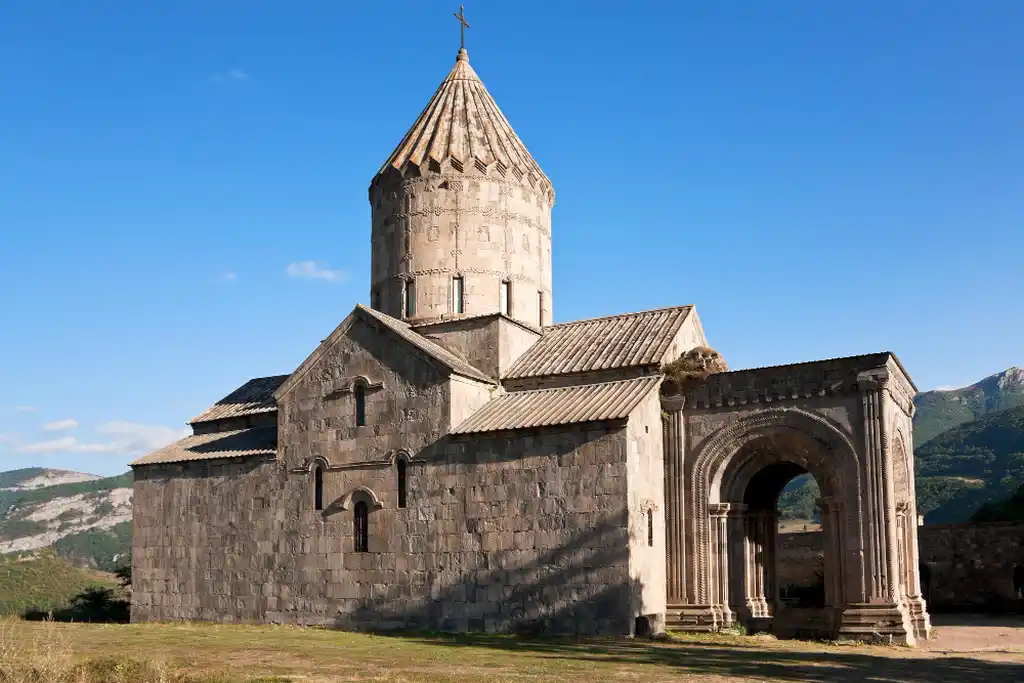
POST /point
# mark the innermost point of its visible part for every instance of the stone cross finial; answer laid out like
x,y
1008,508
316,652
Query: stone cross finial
x,y
463,25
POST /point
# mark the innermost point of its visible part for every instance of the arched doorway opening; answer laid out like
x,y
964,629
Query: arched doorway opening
x,y
785,535
799,544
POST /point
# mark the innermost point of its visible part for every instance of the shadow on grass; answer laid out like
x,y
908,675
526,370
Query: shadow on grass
x,y
93,605
827,665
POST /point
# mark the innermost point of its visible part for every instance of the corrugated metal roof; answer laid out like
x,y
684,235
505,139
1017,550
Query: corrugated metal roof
x,y
443,355
617,341
565,405
463,122
234,444
255,396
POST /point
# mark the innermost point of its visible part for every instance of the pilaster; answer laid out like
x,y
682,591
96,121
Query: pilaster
x,y
674,431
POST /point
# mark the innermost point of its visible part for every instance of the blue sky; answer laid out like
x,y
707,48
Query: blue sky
x,y
820,179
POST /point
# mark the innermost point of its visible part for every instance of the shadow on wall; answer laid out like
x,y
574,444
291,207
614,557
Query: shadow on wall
x,y
576,588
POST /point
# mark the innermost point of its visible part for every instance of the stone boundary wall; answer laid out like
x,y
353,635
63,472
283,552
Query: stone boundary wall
x,y
971,567
964,567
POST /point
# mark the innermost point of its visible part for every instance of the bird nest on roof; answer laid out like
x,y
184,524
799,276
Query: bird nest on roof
x,y
693,367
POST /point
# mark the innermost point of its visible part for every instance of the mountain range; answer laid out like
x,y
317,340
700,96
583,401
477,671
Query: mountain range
x,y
970,453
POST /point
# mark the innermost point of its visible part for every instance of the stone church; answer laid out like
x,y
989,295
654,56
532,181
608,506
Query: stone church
x,y
449,458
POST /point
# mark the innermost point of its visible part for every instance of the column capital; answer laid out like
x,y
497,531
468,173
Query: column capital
x,y
726,509
673,403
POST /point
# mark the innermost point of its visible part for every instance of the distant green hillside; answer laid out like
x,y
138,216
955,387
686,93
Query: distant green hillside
x,y
44,582
938,411
968,451
1009,510
976,463
15,477
91,518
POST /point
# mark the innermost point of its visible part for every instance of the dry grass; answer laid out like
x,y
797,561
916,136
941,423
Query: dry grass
x,y
194,653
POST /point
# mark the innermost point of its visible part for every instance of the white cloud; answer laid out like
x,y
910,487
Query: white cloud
x,y
229,76
125,438
132,438
946,388
67,444
25,409
311,270
229,277
6,438
60,425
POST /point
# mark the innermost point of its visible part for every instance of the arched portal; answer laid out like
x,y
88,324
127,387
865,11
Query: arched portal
x,y
754,477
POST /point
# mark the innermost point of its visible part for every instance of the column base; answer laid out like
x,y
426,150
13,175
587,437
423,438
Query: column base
x,y
877,622
697,618
919,619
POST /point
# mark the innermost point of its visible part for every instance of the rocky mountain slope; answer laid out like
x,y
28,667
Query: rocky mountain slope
x,y
940,410
963,468
84,518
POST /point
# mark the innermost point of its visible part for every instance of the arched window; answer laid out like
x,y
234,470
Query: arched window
x,y
409,296
401,465
458,301
360,405
650,527
505,297
361,530
318,487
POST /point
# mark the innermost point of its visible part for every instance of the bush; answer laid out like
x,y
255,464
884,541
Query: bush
x,y
694,366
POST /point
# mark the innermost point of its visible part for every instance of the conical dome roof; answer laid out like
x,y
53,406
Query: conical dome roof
x,y
462,124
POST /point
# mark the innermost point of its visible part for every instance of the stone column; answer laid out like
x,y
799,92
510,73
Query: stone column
x,y
673,428
915,600
832,528
719,514
759,555
882,616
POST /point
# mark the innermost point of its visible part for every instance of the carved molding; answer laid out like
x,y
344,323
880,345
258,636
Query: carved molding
x,y
346,501
719,450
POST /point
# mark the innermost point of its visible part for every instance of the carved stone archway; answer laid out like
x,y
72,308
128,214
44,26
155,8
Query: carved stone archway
x,y
720,534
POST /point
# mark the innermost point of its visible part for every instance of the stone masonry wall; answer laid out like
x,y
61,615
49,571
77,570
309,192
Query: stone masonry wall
x,y
499,534
970,567
204,540
521,530
433,227
966,567
647,496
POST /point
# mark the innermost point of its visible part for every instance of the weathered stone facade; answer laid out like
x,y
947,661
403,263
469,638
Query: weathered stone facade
x,y
963,567
973,567
449,459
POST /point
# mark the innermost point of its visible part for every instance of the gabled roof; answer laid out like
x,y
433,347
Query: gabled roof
x,y
616,341
564,405
435,351
403,331
462,122
253,397
235,444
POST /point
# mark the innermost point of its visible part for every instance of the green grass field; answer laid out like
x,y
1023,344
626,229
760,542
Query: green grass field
x,y
190,653
45,582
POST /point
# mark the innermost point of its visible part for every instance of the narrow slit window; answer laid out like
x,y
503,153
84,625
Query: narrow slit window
x,y
409,303
457,286
318,488
650,528
540,308
375,299
506,297
360,405
402,491
361,530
